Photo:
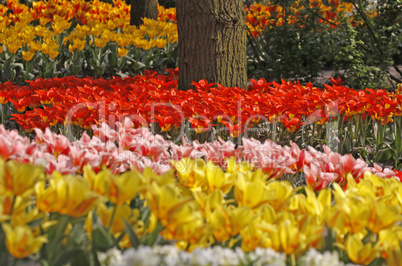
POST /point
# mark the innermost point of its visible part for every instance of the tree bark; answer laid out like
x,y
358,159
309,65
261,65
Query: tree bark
x,y
212,42
143,9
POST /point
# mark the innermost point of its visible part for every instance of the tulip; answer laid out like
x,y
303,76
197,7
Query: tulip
x,y
359,252
252,236
163,201
122,51
74,197
46,196
116,218
17,178
252,194
217,179
6,203
190,173
20,241
229,221
186,224
27,55
281,190
382,215
100,182
125,187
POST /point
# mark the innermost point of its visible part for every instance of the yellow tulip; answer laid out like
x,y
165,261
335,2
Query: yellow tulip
x,y
312,205
98,182
122,40
6,203
74,197
60,24
78,45
233,167
46,195
145,45
166,178
19,178
13,44
251,194
161,43
163,201
122,212
217,179
390,240
185,224
281,191
51,48
27,55
209,202
125,187
267,214
190,173
20,241
122,51
361,253
290,237
229,221
252,236
43,21
394,256
382,215
355,211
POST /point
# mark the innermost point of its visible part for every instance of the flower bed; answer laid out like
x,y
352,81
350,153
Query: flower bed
x,y
345,119
61,38
140,172
195,206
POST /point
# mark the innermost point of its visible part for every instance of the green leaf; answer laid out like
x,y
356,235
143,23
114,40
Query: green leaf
x,y
398,136
98,70
102,239
153,236
133,236
75,69
384,155
65,257
117,240
112,58
35,223
15,65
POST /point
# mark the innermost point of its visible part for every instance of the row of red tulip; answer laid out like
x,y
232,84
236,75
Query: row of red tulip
x,y
156,98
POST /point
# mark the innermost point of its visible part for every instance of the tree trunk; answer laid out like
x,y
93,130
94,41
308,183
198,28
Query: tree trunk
x,y
143,9
212,42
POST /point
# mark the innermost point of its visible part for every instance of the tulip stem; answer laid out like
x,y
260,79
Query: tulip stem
x,y
293,260
2,114
112,218
54,245
12,205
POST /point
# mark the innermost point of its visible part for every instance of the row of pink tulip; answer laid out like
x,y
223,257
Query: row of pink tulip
x,y
125,148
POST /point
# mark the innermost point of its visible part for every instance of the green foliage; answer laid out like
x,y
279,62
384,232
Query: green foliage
x,y
292,51
361,52
349,56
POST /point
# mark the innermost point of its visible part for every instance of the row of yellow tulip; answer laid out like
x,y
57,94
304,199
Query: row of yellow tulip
x,y
56,32
32,39
101,22
197,204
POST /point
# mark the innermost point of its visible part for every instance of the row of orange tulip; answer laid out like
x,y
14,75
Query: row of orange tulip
x,y
258,15
155,98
